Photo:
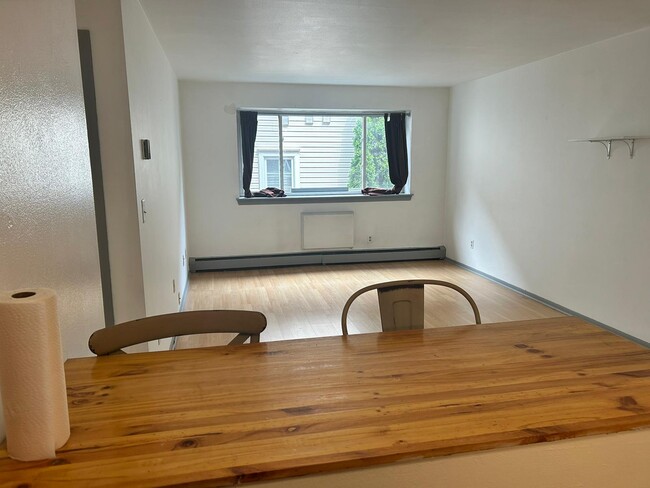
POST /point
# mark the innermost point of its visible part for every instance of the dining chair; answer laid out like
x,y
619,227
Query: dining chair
x,y
246,324
401,303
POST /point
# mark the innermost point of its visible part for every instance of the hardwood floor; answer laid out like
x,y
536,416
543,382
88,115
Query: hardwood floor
x,y
307,301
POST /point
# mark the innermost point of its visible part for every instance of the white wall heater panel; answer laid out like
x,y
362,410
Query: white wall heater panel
x,y
327,230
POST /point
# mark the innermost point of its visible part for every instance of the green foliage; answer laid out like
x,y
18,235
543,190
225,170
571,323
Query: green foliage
x,y
376,159
354,180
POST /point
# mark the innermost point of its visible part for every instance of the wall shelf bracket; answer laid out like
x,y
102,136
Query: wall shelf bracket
x,y
608,147
630,146
607,142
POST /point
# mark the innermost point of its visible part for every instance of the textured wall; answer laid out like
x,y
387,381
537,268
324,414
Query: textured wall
x,y
47,227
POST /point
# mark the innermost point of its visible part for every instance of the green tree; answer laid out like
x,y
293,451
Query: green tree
x,y
376,158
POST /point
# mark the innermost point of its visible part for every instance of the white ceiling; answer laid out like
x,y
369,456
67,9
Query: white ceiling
x,y
378,42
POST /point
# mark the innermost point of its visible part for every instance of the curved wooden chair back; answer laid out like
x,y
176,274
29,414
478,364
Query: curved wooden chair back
x,y
401,303
111,340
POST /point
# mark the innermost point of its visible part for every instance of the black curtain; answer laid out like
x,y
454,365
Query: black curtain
x,y
398,165
248,127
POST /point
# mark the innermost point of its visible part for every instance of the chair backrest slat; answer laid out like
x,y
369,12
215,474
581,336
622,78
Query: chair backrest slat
x,y
401,307
401,303
245,323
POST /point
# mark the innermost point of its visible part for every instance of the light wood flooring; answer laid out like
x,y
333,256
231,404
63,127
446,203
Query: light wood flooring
x,y
307,301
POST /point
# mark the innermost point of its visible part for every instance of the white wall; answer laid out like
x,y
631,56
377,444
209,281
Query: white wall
x,y
137,98
552,217
218,226
104,21
153,102
47,221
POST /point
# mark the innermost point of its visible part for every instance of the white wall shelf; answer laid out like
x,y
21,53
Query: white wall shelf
x,y
607,142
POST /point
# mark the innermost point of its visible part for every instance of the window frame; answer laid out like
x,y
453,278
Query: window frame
x,y
351,194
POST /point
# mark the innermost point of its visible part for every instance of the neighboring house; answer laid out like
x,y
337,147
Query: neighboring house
x,y
318,152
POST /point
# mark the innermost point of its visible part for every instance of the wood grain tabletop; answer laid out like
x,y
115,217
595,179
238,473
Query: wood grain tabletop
x,y
227,415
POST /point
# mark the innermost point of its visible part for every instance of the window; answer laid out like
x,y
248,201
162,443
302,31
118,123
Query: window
x,y
270,172
322,153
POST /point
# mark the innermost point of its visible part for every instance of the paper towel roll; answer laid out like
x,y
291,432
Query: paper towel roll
x,y
32,378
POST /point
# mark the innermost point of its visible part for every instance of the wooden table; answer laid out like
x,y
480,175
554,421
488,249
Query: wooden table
x,y
226,415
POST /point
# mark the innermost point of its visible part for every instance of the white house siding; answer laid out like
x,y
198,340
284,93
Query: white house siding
x,y
322,152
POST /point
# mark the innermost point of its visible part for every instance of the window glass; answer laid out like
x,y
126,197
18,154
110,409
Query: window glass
x,y
376,157
325,152
273,174
321,154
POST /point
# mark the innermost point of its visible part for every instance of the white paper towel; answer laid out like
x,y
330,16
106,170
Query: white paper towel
x,y
32,378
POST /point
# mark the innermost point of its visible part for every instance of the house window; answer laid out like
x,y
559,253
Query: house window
x,y
270,172
322,154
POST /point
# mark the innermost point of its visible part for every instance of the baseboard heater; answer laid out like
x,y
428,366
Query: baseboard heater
x,y
312,258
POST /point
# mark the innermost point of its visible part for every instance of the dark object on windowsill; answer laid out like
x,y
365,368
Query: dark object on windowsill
x,y
380,191
269,192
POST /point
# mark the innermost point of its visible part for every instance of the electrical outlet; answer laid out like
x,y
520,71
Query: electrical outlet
x,y
179,297
183,260
471,244
369,238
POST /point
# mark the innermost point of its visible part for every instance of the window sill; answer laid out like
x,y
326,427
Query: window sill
x,y
323,199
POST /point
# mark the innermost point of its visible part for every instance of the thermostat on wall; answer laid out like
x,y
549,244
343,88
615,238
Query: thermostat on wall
x,y
146,148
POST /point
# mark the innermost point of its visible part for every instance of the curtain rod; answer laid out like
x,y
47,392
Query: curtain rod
x,y
303,111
